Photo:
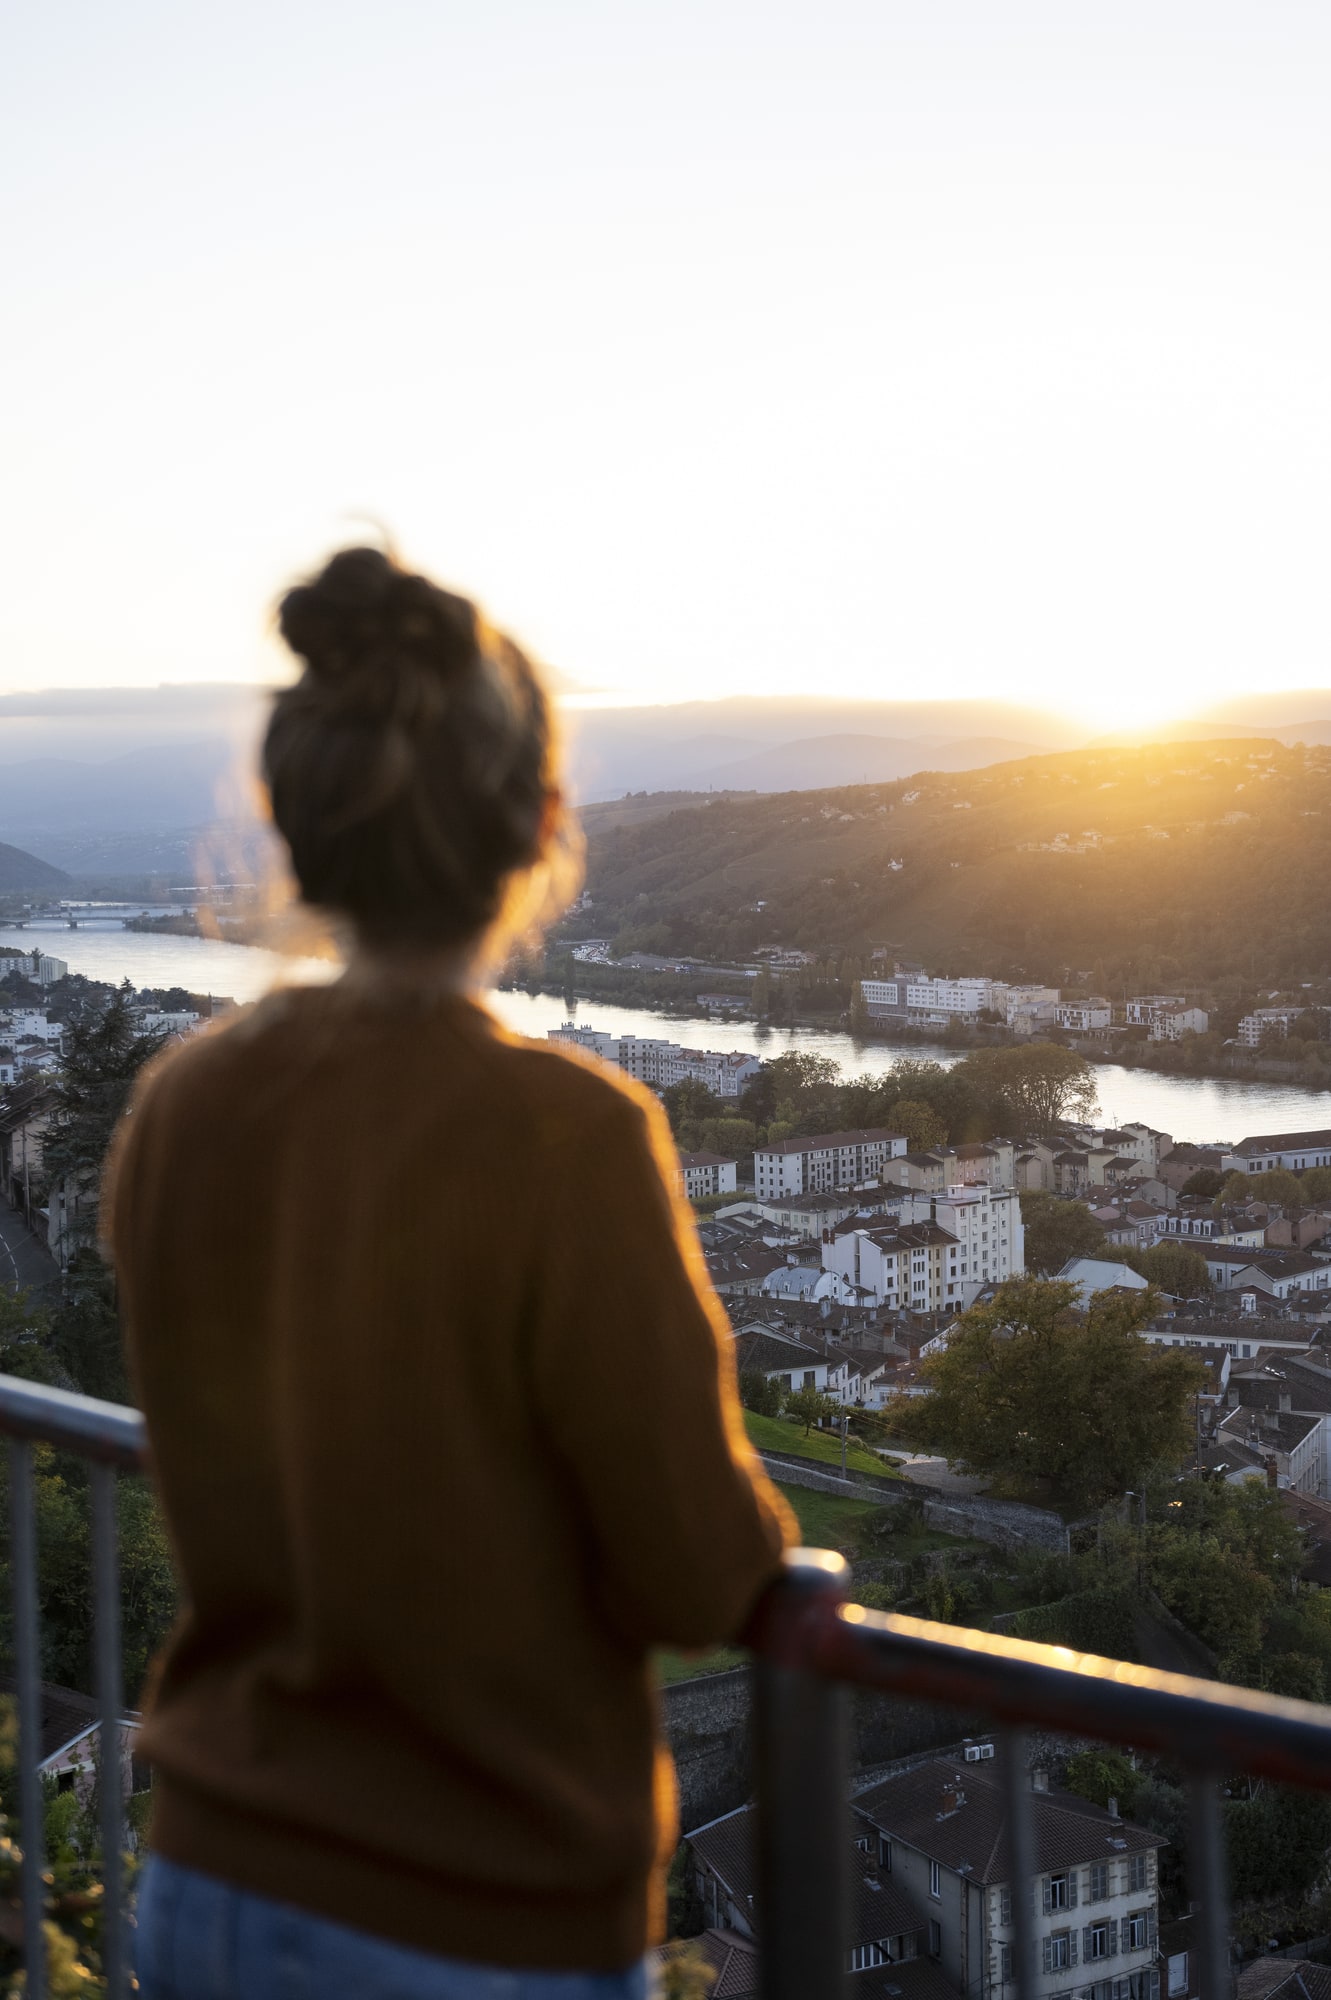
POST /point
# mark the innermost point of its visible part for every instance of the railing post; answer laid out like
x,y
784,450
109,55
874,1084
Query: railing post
x,y
28,1665
804,1834
1021,1859
1208,1884
106,1602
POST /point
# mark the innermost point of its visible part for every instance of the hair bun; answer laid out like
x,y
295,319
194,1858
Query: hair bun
x,y
363,617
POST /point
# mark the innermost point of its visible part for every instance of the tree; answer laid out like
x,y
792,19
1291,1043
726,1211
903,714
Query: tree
x,y
810,1407
1206,1182
1175,1267
1030,1387
1275,1184
1057,1230
1317,1184
920,1123
103,1055
1041,1083
761,1393
689,1103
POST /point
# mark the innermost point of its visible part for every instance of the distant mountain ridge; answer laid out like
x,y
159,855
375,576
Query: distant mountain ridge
x,y
19,870
1165,866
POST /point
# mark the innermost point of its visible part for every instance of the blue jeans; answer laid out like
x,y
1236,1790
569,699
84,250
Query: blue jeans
x,y
201,1939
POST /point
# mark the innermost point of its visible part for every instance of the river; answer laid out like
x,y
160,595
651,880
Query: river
x,y
1200,1109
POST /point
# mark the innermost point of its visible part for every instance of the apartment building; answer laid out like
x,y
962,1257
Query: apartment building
x,y
1084,1017
705,1173
825,1160
659,1063
936,1254
1165,1016
1295,1150
940,1834
920,1001
1266,1023
35,965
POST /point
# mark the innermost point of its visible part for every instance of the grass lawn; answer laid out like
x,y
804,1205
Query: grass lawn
x,y
775,1434
687,1666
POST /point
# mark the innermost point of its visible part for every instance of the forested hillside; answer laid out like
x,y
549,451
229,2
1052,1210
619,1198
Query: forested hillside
x,y
20,870
1168,864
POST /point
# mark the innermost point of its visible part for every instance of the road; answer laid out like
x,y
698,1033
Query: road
x,y
24,1264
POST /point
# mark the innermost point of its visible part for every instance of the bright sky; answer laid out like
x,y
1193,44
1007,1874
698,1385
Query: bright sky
x,y
880,346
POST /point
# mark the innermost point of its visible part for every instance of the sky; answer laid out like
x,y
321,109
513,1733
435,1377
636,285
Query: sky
x,y
887,348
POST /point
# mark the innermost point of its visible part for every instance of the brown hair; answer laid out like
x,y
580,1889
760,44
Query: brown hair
x,y
411,767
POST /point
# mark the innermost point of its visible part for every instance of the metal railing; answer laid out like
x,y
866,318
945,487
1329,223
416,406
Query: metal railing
x,y
111,1439
811,1647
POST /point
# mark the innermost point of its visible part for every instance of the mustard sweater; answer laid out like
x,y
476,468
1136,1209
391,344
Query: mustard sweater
x,y
442,1416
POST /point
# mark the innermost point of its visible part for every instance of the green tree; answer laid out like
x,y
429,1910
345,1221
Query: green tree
x,y
102,1057
1206,1182
810,1407
1275,1184
1103,1774
1317,1184
1030,1387
1040,1082
761,1393
920,1123
1175,1268
689,1102
1057,1230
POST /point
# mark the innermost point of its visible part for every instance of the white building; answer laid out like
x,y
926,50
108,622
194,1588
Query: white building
x,y
1295,1150
1097,1274
1083,1017
941,1834
658,1063
704,1174
1267,1022
33,965
937,1254
1139,1011
825,1160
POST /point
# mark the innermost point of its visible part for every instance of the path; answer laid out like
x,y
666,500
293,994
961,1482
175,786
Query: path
x,y
24,1263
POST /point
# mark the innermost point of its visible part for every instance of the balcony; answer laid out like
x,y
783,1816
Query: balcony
x,y
810,1648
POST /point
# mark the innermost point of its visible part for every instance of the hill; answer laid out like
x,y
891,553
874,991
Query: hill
x,y
19,870
1154,865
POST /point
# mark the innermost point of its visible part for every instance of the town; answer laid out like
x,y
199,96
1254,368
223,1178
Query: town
x,y
874,1274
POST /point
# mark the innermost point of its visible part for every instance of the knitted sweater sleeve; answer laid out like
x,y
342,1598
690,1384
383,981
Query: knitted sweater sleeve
x,y
636,1380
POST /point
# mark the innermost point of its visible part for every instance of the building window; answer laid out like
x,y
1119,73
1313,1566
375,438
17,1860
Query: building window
x,y
1005,1961
884,1854
1058,1898
1138,1929
935,1879
865,1955
1059,1948
1097,1940
935,1937
1098,1887
1137,1872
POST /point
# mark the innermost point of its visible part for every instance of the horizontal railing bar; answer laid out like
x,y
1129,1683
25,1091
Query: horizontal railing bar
x,y
802,1622
107,1432
1203,1723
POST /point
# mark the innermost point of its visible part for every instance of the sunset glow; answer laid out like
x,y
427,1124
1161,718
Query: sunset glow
x,y
907,352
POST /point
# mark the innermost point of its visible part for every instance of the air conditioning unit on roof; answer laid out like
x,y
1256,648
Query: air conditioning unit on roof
x,y
972,1753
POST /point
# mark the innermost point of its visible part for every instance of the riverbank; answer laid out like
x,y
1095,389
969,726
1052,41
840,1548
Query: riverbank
x,y
1196,1056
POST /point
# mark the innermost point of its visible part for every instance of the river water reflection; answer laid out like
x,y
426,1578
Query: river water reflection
x,y
1195,1108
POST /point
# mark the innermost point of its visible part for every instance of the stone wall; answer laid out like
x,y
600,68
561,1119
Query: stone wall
x,y
1005,1523
707,1724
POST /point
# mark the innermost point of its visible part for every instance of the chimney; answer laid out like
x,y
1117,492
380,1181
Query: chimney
x,y
1039,1779
1113,1808
1285,1404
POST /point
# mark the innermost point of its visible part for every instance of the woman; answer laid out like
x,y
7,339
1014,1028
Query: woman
x,y
440,1404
